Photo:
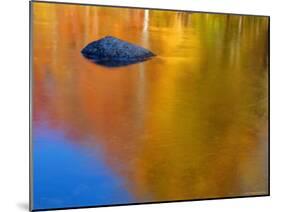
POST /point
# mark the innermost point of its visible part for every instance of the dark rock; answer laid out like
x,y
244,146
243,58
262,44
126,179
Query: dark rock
x,y
112,52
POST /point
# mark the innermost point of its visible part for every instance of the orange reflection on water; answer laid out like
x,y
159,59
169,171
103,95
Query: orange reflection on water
x,y
190,123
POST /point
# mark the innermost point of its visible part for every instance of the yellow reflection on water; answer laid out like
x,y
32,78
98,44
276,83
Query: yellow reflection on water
x,y
190,123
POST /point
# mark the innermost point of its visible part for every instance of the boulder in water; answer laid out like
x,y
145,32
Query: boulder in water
x,y
112,52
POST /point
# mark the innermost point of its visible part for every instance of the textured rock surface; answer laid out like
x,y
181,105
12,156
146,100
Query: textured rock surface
x,y
111,51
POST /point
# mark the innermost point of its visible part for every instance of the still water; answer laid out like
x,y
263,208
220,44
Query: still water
x,y
191,123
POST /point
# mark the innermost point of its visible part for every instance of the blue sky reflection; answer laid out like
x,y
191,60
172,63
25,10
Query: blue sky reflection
x,y
68,175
